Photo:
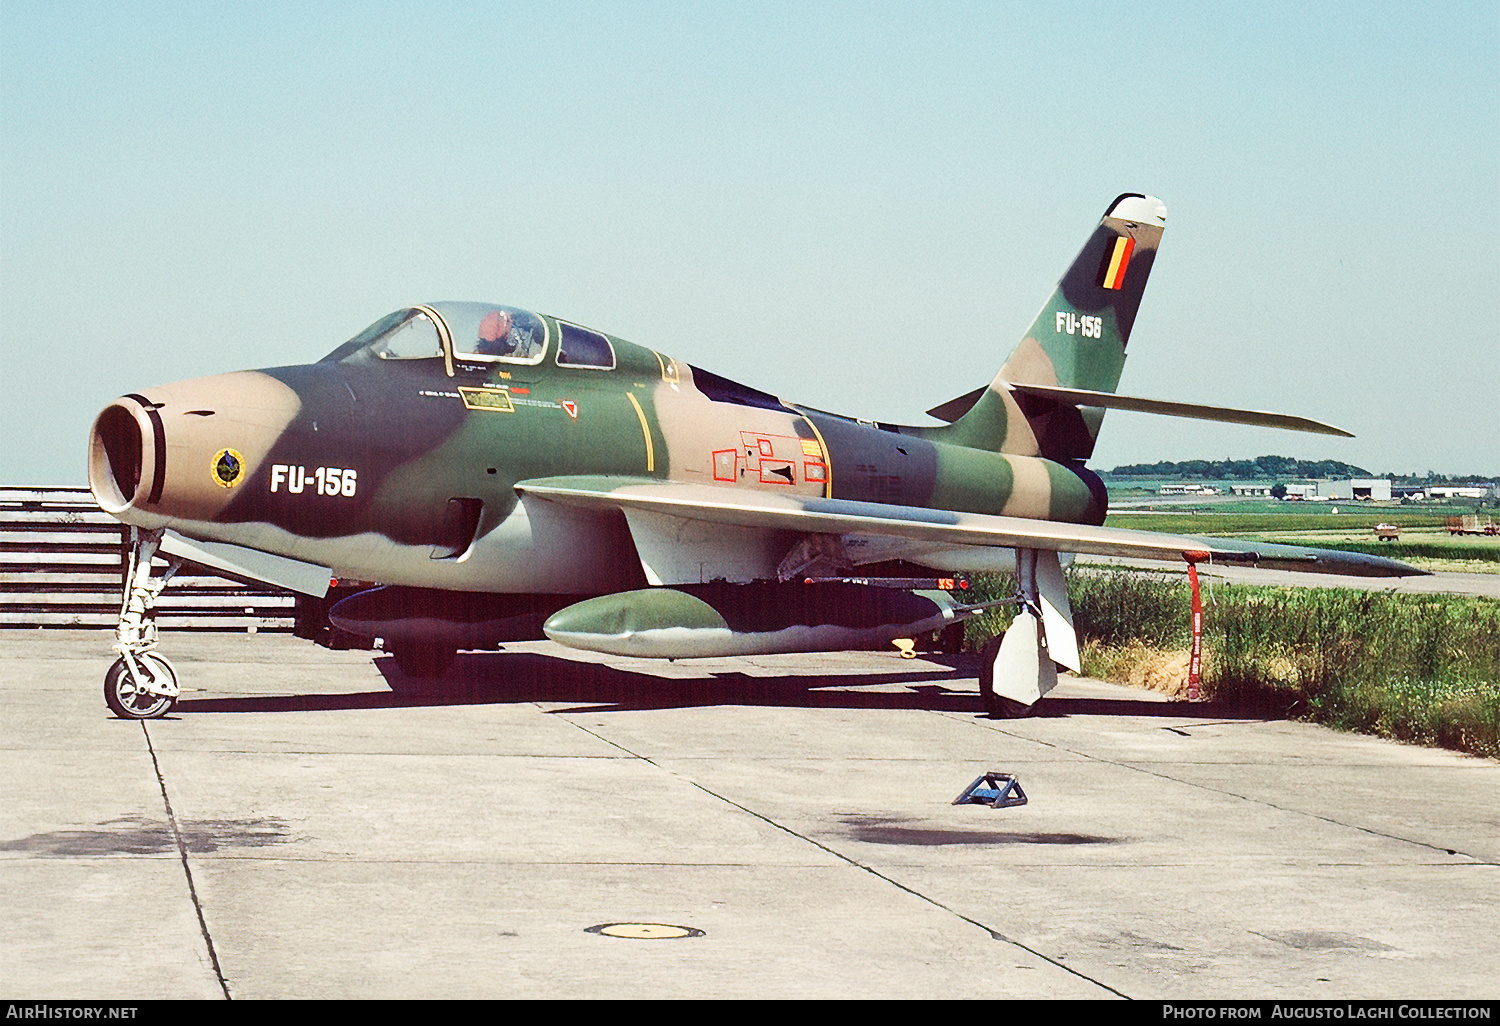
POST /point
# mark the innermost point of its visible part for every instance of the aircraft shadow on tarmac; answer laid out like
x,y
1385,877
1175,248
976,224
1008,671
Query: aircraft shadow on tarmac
x,y
485,678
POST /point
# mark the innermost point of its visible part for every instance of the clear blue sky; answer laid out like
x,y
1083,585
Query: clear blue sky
x,y
855,206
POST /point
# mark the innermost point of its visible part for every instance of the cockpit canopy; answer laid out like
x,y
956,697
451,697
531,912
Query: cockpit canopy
x,y
468,331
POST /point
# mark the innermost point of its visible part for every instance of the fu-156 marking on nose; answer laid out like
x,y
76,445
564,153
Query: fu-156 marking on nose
x,y
326,480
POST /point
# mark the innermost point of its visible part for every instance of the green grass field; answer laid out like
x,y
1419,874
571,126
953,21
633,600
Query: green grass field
x,y
1425,541
1418,668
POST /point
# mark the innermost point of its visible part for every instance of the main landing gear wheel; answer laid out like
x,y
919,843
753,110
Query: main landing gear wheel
x,y
998,706
149,695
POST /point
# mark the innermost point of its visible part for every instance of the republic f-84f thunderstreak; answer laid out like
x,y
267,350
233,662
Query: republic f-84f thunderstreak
x,y
507,475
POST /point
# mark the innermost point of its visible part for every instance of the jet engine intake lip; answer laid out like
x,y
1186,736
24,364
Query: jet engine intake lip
x,y
127,449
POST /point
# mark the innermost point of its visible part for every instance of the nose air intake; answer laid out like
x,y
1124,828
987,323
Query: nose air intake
x,y
183,452
127,453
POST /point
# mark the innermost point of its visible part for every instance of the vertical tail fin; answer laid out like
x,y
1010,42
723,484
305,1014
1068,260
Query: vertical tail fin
x,y
1077,341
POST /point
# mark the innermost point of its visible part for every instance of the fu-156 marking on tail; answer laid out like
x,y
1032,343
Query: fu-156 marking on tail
x,y
509,475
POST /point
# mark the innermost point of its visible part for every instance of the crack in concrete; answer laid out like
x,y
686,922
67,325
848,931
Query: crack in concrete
x,y
182,854
994,934
1138,768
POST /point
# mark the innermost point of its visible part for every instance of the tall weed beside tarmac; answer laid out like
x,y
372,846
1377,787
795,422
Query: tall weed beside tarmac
x,y
1417,668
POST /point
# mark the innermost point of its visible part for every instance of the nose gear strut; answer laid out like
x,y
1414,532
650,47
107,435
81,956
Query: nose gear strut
x,y
141,684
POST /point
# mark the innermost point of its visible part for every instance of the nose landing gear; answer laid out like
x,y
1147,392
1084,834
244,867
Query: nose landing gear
x,y
141,684
142,688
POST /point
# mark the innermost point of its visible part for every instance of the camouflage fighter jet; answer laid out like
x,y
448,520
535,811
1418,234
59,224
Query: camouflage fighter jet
x,y
508,475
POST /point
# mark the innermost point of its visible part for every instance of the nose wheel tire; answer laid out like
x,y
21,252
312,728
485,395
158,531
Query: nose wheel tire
x,y
128,700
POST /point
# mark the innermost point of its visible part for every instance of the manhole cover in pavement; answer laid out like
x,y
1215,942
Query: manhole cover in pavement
x,y
645,931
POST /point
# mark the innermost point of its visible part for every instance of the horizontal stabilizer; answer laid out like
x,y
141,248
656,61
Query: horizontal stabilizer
x,y
812,515
1166,408
953,409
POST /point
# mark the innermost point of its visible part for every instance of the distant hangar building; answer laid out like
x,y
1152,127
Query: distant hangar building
x,y
1461,491
1372,488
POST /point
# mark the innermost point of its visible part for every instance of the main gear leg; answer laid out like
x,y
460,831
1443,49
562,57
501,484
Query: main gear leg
x,y
1016,668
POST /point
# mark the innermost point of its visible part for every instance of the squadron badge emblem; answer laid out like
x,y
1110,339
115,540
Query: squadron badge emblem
x,y
228,468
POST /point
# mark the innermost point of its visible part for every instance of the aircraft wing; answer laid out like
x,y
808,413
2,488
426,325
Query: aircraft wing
x,y
733,508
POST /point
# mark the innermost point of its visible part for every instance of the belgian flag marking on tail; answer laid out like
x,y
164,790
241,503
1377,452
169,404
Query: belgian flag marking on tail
x,y
1115,262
